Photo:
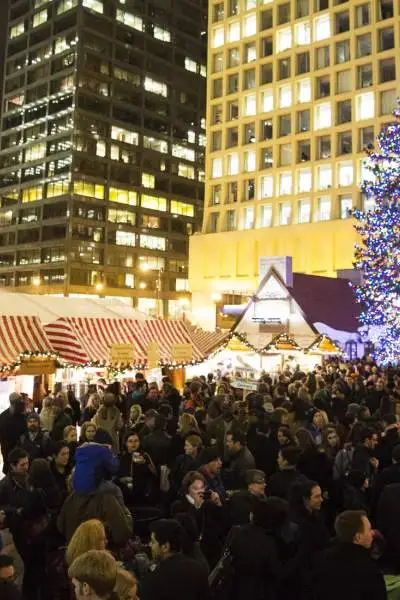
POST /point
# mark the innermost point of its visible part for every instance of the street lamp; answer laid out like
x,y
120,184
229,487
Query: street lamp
x,y
36,281
99,287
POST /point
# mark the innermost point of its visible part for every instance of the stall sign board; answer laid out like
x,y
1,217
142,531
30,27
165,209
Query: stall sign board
x,y
182,352
37,366
122,354
153,355
250,386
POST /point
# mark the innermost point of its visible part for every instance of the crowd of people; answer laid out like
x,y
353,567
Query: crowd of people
x,y
136,490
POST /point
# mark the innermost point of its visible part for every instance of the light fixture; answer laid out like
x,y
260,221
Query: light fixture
x,y
36,281
145,267
142,285
216,296
99,287
183,301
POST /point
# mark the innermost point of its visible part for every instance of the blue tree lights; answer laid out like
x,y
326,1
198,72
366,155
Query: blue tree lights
x,y
378,254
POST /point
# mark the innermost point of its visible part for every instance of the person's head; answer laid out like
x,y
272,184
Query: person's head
x,y
331,438
227,409
150,418
304,438
284,435
288,457
153,394
88,431
61,454
255,480
61,401
33,422
319,419
270,514
187,424
167,538
369,438
103,437
211,458
40,475
193,445
93,575
307,494
235,441
126,585
90,535
279,416
94,401
195,389
132,442
7,570
202,417
354,527
396,454
109,400
193,485
69,434
17,404
18,460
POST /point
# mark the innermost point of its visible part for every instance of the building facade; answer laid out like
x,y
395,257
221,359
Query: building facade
x,y
102,148
298,91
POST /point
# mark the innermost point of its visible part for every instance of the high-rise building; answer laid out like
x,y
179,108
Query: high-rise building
x,y
298,91
102,148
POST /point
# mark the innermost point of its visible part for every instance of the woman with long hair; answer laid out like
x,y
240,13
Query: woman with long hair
x,y
60,466
48,414
189,461
90,535
88,431
313,462
92,407
137,474
62,418
109,417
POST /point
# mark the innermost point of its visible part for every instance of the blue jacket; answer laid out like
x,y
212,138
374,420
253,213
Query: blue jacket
x,y
93,464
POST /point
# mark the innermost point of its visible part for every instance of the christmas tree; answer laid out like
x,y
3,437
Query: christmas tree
x,y
378,255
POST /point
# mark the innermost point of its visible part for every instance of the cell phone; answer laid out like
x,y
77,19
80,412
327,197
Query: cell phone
x,y
207,495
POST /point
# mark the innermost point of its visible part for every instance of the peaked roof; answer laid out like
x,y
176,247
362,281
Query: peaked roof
x,y
326,300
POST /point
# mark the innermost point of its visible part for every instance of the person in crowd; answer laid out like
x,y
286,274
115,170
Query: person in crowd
x,y
8,588
331,443
390,474
75,406
70,437
148,424
191,545
388,440
12,426
280,484
152,400
364,457
196,398
356,492
48,414
35,442
211,465
240,460
241,504
313,462
176,576
346,570
60,465
189,461
88,431
109,417
62,417
388,523
90,535
126,586
137,473
94,575
219,427
158,443
92,407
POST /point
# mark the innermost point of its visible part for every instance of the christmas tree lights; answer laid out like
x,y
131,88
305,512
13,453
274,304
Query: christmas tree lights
x,y
378,255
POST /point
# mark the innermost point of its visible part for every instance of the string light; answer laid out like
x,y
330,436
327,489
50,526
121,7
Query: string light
x,y
378,255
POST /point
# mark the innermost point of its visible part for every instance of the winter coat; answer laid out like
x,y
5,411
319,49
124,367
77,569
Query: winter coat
x,y
12,426
176,578
110,419
61,421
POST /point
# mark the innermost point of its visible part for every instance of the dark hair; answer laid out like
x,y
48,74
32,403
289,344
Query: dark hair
x,y
40,474
301,491
58,446
287,432
169,531
16,455
291,454
6,561
189,479
238,436
348,524
396,453
200,414
367,434
390,419
305,439
131,434
270,514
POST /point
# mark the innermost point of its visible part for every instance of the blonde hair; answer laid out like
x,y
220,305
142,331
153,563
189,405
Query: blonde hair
x,y
67,431
124,584
85,426
97,568
90,535
188,424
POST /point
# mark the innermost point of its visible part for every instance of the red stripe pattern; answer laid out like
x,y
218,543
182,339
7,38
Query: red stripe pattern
x,y
19,335
208,341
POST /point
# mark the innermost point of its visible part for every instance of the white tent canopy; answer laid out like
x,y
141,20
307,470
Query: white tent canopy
x,y
50,308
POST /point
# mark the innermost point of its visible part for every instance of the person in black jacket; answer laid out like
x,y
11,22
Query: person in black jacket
x,y
364,457
389,475
280,484
176,577
242,504
12,426
35,442
346,570
388,522
388,440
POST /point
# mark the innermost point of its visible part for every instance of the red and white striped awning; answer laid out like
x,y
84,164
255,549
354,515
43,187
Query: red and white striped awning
x,y
208,341
20,335
89,340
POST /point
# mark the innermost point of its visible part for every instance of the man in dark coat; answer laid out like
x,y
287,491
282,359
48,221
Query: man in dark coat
x,y
176,577
35,442
240,460
389,475
346,570
280,484
389,439
364,457
12,426
388,522
242,504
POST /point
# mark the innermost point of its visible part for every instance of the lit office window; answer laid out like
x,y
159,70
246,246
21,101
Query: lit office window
x,y
155,144
346,205
305,181
303,34
323,208
161,34
250,25
190,65
284,39
101,149
285,96
267,186
86,188
250,105
35,152
285,213
216,168
125,238
152,242
32,194
17,30
285,184
250,161
39,18
265,215
304,211
130,20
218,37
156,87
65,5
57,188
323,116
322,28
233,164
346,174
148,181
183,152
124,135
304,90
182,285
365,106
95,5
122,196
186,171
154,202
182,208
234,32
248,217
324,177
267,100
